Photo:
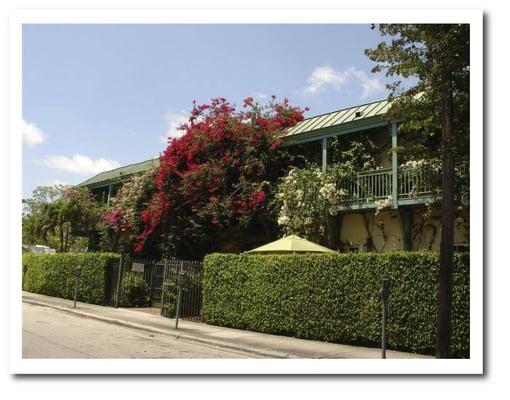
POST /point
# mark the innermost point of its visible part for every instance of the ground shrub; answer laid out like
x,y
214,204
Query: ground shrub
x,y
54,275
335,297
169,298
134,291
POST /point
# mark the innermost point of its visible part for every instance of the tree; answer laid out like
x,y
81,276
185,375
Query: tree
x,y
38,220
436,57
55,214
213,185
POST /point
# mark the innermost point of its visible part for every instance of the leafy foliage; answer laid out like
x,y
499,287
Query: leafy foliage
x,y
335,297
214,183
55,215
169,298
134,291
54,275
120,221
437,55
306,198
435,58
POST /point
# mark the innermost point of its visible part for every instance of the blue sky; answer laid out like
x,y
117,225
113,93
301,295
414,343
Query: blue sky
x,y
100,96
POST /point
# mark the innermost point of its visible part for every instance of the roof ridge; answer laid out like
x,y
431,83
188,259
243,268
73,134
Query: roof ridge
x,y
343,109
125,166
116,172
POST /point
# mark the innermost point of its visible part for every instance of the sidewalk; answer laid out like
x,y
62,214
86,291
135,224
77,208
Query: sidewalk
x,y
259,344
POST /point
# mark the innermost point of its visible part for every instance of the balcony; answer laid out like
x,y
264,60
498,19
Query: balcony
x,y
412,186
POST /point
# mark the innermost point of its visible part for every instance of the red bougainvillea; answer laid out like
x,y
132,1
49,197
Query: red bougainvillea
x,y
218,174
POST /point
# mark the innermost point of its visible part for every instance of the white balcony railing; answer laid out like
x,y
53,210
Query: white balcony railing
x,y
369,186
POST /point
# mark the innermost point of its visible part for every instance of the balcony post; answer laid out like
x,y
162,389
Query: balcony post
x,y
324,145
110,190
394,164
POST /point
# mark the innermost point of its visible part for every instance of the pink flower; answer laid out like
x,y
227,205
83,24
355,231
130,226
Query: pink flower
x,y
248,102
261,197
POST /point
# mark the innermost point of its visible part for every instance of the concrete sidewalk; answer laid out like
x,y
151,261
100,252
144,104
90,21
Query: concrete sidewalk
x,y
259,344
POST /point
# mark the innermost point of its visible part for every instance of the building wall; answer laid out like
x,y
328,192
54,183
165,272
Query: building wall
x,y
386,231
384,228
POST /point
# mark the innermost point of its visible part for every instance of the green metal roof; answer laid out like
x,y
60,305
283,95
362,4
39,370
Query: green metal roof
x,y
346,120
340,119
116,175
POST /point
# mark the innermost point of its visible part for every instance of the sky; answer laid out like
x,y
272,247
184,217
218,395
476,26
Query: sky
x,y
96,97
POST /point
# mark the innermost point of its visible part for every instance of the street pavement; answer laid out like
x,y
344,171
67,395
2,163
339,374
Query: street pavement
x,y
51,333
240,342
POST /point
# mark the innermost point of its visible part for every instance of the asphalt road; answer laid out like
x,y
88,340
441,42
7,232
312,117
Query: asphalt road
x,y
51,333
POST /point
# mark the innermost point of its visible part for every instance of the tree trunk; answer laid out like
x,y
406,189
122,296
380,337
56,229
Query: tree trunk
x,y
61,234
66,242
444,315
93,243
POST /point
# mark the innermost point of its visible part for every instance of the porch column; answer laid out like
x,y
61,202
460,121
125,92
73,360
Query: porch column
x,y
110,190
324,145
394,164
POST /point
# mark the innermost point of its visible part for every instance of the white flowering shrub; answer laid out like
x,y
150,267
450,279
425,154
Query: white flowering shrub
x,y
432,164
381,204
306,197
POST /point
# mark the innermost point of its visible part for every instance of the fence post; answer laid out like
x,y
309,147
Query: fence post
x,y
384,292
151,282
25,267
165,273
119,276
76,283
179,292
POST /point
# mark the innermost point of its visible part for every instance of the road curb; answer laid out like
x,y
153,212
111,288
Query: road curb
x,y
175,335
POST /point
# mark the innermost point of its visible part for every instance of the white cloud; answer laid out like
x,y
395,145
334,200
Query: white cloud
x,y
260,96
370,85
174,120
31,134
324,77
58,182
79,164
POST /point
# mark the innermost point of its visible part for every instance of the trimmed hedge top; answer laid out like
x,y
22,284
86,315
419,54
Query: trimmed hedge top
x,y
335,298
54,275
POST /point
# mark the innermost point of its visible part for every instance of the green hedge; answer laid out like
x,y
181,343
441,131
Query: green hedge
x,y
54,275
335,298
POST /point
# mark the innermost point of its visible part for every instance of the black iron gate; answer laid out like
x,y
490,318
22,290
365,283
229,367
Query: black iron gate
x,y
152,274
112,280
164,279
185,275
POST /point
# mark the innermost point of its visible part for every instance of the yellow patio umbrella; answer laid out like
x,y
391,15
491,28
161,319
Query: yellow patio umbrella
x,y
291,244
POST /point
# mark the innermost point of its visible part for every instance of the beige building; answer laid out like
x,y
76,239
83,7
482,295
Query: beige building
x,y
410,218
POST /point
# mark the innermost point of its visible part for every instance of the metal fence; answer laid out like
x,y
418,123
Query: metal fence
x,y
170,281
183,278
112,281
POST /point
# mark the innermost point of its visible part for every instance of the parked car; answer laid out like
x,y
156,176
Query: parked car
x,y
38,249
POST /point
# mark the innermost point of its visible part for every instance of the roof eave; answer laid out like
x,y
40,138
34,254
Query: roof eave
x,y
343,129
